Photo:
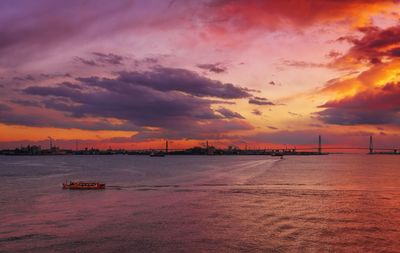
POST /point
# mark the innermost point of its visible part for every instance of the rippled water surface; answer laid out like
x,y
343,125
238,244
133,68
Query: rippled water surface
x,y
334,203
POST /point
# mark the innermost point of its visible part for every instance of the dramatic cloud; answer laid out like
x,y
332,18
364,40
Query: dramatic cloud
x,y
171,100
150,108
29,28
148,68
173,79
380,105
373,47
245,14
371,97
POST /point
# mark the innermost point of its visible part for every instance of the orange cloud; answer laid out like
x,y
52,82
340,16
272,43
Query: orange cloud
x,y
375,76
377,45
244,14
371,97
378,105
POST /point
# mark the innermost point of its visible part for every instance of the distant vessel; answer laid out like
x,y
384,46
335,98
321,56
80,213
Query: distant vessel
x,y
77,185
157,154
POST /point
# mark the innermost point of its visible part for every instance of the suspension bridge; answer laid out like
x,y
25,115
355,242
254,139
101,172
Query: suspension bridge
x,y
319,149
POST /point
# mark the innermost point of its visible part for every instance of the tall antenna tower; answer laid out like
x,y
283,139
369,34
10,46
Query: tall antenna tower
x,y
371,145
50,142
319,144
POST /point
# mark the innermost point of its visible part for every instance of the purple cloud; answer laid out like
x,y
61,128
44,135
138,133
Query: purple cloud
x,y
174,101
260,101
228,114
174,79
101,60
377,106
213,67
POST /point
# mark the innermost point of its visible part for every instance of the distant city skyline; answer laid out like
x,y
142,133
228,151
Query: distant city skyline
x,y
131,74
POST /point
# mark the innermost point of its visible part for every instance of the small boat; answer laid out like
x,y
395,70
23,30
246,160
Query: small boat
x,y
157,154
77,185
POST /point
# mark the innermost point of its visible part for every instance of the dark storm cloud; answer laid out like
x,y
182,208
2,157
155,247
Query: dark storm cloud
x,y
213,67
260,101
228,114
174,79
374,44
377,106
171,100
144,106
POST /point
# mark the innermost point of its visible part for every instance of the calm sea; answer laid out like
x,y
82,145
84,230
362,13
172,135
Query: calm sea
x,y
334,203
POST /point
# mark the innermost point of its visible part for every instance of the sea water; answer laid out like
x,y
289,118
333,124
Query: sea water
x,y
333,203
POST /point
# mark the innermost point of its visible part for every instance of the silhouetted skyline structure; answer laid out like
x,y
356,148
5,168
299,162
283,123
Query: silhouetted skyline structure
x,y
207,150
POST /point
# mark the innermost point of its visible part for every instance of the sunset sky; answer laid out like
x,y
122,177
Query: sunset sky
x,y
131,74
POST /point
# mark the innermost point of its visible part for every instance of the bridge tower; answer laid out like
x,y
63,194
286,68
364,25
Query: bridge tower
x,y
319,144
51,142
371,145
166,146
